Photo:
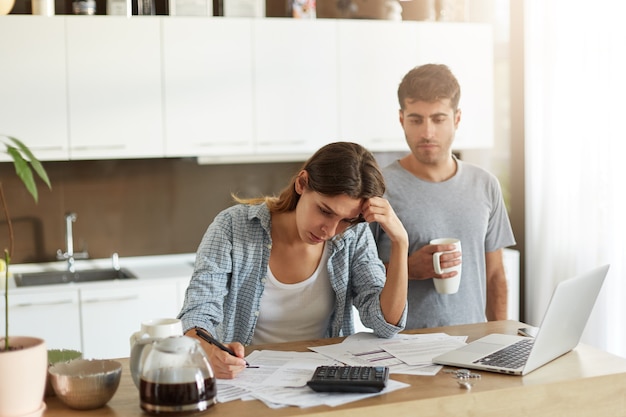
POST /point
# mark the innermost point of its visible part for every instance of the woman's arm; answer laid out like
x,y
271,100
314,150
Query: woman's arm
x,y
394,294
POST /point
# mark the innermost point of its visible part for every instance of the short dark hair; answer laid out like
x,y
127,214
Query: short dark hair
x,y
430,83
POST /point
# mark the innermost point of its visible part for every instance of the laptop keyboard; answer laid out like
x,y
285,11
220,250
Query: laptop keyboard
x,y
510,357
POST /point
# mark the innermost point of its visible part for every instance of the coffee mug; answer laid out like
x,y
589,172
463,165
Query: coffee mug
x,y
446,285
157,328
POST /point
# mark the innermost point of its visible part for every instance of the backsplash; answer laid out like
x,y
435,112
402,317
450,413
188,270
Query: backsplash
x,y
133,207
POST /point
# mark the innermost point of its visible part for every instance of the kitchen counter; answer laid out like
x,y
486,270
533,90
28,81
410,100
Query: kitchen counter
x,y
98,317
584,382
143,267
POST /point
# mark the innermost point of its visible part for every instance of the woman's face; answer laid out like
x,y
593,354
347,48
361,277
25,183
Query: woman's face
x,y
320,217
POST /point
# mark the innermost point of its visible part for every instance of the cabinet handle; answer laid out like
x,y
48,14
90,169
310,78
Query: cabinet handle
x,y
111,299
282,143
213,145
47,148
105,147
50,303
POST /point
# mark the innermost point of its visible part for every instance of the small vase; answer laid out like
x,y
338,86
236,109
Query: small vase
x,y
6,6
23,376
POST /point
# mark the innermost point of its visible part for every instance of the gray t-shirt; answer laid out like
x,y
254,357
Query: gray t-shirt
x,y
468,206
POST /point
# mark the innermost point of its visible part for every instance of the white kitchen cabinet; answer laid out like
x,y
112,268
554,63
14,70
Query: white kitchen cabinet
x,y
295,85
107,87
33,102
373,57
110,315
207,84
467,48
114,87
51,315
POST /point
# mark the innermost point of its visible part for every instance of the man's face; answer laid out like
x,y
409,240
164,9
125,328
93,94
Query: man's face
x,y
429,129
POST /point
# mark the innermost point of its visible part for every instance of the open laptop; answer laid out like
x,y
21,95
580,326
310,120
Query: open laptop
x,y
560,331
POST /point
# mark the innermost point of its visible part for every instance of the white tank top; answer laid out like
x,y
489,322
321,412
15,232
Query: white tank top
x,y
295,311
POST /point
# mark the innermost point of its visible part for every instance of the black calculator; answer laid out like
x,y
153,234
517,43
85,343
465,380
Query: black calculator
x,y
366,379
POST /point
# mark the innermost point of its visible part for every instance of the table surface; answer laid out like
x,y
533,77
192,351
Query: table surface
x,y
585,381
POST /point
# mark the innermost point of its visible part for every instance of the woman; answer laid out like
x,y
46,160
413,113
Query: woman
x,y
276,269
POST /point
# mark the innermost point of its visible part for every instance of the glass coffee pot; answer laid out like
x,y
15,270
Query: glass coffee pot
x,y
173,376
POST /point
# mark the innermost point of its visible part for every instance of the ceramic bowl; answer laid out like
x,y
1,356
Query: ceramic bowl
x,y
85,384
55,356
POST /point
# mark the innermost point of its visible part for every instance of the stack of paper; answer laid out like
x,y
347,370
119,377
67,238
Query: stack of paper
x,y
279,378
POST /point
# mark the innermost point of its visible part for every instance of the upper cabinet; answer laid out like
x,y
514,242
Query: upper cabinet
x,y
114,87
239,89
207,87
375,55
373,58
467,49
295,85
33,101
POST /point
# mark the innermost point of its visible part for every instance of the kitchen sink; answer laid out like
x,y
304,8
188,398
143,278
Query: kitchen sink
x,y
64,277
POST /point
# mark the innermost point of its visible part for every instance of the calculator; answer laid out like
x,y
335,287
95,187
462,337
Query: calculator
x,y
364,379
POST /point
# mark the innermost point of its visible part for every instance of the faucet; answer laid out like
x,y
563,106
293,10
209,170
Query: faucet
x,y
69,254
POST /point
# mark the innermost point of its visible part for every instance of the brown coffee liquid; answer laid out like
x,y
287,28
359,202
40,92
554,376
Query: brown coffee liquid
x,y
178,394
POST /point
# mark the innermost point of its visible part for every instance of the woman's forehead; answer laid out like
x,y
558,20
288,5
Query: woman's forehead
x,y
342,205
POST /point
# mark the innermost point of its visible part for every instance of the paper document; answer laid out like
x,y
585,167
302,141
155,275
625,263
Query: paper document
x,y
280,380
403,353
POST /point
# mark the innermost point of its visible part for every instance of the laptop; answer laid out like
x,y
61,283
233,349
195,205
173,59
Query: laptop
x,y
560,331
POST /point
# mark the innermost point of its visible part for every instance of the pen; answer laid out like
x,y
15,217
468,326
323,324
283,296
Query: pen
x,y
204,335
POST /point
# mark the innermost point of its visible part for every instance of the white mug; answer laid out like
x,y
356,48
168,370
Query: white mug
x,y
446,285
158,329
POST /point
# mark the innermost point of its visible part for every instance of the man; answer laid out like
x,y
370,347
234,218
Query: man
x,y
435,195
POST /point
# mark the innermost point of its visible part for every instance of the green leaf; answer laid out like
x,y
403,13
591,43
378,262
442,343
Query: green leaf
x,y
39,169
22,169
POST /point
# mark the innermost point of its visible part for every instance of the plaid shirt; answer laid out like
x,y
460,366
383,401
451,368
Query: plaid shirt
x,y
225,290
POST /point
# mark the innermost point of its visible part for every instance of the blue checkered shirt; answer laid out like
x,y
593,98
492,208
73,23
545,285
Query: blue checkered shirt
x,y
225,290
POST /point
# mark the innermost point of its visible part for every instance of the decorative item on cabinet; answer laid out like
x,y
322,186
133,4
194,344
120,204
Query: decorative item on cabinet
x,y
119,8
243,8
144,7
190,7
84,7
302,9
6,6
359,9
43,7
419,10
452,10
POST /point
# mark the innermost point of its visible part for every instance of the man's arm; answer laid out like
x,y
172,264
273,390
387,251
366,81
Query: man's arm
x,y
497,290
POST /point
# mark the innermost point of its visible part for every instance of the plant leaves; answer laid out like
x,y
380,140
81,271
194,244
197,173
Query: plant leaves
x,y
22,169
33,160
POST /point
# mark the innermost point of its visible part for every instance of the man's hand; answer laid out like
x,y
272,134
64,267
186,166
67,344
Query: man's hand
x,y
421,262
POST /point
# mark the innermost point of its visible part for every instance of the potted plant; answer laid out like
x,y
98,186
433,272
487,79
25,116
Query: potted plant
x,y
23,360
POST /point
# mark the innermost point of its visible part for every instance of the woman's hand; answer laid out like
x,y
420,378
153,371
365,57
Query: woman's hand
x,y
225,365
377,209
394,293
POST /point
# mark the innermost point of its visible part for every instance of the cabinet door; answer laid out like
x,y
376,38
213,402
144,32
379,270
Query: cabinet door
x,y
53,316
467,48
208,86
373,57
114,87
33,105
111,315
295,64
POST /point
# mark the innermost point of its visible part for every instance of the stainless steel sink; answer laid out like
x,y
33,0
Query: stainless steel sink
x,y
64,277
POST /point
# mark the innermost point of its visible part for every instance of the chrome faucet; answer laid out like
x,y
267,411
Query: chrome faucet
x,y
69,254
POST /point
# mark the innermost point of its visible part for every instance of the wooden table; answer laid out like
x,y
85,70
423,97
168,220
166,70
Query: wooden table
x,y
584,382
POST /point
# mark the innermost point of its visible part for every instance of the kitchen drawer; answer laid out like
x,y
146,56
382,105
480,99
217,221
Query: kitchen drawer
x,y
52,316
111,315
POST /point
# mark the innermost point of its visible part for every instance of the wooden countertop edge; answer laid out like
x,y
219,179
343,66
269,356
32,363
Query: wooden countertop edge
x,y
549,400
